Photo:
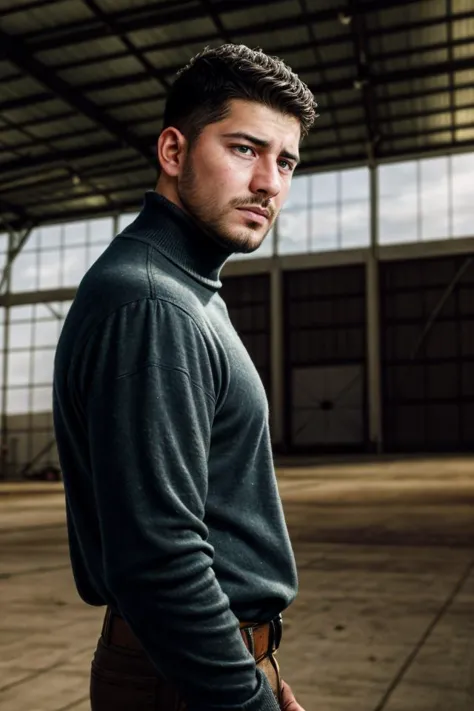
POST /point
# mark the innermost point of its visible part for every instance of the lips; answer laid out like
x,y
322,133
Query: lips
x,y
258,212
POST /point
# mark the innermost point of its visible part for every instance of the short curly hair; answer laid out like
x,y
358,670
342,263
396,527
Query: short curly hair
x,y
202,90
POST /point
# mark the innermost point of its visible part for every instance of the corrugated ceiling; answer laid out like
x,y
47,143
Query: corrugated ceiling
x,y
83,85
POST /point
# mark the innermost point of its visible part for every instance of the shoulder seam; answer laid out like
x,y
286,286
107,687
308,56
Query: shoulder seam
x,y
143,299
163,366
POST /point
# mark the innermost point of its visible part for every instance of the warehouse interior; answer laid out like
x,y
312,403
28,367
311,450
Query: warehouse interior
x,y
357,310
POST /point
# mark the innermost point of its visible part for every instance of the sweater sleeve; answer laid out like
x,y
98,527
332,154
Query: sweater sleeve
x,y
149,386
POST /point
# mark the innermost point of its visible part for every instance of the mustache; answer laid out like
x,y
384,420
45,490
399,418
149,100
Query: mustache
x,y
254,201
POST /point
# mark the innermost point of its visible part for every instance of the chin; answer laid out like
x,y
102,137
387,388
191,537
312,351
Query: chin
x,y
240,239
249,241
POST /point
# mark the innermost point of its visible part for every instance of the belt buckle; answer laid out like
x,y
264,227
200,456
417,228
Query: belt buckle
x,y
248,632
276,627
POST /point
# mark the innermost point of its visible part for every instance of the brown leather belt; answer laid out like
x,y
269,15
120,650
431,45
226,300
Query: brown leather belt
x,y
260,639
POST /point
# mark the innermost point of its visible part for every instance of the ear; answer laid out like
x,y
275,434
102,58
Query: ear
x,y
171,148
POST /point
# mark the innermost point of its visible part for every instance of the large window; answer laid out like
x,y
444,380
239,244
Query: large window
x,y
33,335
326,211
427,199
59,255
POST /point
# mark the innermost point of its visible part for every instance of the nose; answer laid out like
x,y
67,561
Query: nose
x,y
266,179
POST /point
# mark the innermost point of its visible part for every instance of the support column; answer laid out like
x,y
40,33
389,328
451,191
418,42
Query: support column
x,y
6,282
276,346
15,245
374,391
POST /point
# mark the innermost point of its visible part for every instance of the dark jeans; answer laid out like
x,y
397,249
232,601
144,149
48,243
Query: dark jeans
x,y
123,679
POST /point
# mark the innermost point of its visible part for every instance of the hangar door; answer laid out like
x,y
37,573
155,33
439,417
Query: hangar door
x,y
325,359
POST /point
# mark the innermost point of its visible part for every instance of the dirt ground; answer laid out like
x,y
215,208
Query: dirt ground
x,y
384,620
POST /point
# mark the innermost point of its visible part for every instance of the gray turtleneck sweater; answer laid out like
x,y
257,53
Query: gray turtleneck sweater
x,y
161,421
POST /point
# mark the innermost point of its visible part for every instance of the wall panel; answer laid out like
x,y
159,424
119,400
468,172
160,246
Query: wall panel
x,y
427,334
325,359
248,302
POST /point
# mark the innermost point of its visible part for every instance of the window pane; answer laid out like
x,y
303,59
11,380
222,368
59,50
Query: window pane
x,y
47,310
355,184
75,234
125,220
324,228
100,230
51,236
324,188
46,333
42,401
299,193
33,241
24,275
93,253
398,203
17,400
20,335
64,307
434,199
43,364
74,266
355,224
293,231
463,195
49,269
19,367
21,313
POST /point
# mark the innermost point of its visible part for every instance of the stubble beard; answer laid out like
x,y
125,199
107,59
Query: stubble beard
x,y
211,218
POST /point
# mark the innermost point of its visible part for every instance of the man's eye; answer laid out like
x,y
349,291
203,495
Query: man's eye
x,y
285,165
244,150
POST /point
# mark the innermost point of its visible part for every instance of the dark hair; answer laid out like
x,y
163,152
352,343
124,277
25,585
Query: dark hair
x,y
202,90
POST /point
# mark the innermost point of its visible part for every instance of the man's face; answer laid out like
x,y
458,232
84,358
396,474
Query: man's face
x,y
237,174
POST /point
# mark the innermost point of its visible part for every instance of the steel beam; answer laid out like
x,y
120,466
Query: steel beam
x,y
344,84
105,170
316,141
352,123
51,158
321,69
364,79
280,50
22,102
15,245
213,13
19,54
116,29
374,385
65,35
52,185
36,297
115,190
18,210
24,7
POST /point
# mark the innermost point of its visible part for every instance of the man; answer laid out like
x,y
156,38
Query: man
x,y
174,518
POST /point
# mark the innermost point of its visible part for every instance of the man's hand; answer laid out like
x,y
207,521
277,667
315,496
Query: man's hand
x,y
288,701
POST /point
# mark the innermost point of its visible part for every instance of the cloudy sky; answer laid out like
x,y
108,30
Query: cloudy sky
x,y
419,201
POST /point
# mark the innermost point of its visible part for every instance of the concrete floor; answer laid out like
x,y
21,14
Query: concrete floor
x,y
385,616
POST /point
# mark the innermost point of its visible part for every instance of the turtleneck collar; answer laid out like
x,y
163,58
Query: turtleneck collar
x,y
172,232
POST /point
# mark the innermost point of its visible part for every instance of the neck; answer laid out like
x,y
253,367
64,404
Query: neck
x,y
169,190
173,232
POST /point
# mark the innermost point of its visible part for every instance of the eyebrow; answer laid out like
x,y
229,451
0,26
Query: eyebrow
x,y
261,143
